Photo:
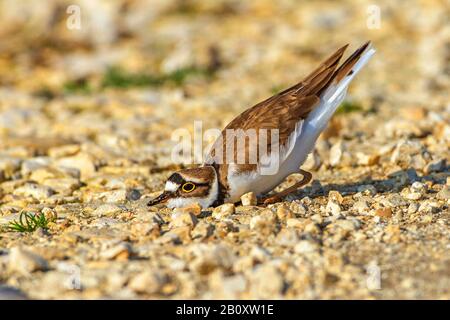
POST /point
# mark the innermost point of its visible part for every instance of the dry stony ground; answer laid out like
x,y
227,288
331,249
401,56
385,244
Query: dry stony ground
x,y
86,145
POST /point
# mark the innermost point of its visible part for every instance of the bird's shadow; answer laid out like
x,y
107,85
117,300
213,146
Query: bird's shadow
x,y
394,182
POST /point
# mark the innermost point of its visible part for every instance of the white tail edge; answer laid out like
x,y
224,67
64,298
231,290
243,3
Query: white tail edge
x,y
335,94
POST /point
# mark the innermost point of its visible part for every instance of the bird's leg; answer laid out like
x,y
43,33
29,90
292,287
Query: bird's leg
x,y
278,196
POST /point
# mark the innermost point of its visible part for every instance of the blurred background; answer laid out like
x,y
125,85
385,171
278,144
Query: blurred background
x,y
76,42
223,55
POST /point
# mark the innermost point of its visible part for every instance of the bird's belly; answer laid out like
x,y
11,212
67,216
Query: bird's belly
x,y
259,183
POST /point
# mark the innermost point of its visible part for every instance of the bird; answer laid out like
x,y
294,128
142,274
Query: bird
x,y
297,114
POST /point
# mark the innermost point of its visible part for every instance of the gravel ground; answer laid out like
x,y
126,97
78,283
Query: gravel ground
x,y
86,118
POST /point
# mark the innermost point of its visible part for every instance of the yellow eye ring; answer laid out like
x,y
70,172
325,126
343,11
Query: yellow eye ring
x,y
188,187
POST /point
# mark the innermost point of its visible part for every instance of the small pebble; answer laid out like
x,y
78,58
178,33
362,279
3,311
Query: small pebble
x,y
263,288
333,208
383,213
107,210
181,218
413,207
34,190
335,196
248,199
265,220
368,189
148,281
361,206
223,211
305,247
336,153
298,208
25,262
435,166
121,251
284,213
367,159
444,193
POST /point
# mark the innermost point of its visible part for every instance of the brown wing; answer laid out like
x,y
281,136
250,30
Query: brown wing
x,y
284,110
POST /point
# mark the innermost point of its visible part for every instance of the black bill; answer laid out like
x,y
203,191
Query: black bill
x,y
163,197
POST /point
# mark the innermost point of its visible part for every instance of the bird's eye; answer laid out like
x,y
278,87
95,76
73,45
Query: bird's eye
x,y
188,187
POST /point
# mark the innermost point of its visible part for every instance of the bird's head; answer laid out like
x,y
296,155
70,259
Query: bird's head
x,y
188,186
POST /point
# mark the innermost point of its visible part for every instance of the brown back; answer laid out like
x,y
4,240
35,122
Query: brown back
x,y
284,110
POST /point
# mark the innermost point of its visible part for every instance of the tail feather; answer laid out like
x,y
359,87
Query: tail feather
x,y
330,63
317,79
348,64
348,70
314,83
334,92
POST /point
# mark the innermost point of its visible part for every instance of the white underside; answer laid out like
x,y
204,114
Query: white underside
x,y
299,145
